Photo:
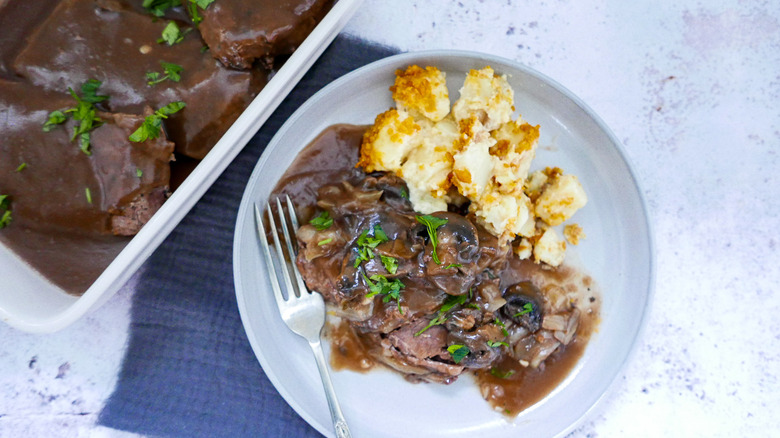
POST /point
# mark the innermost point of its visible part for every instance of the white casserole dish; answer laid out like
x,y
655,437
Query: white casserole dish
x,y
31,303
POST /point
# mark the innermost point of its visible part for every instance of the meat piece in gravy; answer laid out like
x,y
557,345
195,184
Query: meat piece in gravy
x,y
81,40
127,181
238,32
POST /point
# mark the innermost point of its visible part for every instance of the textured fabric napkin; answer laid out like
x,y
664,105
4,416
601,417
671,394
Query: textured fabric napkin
x,y
189,369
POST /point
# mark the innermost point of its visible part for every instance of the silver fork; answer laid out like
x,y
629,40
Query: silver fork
x,y
302,311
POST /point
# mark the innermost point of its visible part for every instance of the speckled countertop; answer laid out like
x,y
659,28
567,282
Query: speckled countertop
x,y
691,88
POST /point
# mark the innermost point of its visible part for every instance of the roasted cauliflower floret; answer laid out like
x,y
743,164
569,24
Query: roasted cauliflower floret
x,y
560,200
475,153
550,248
515,148
486,96
422,92
473,165
524,249
427,168
388,141
506,216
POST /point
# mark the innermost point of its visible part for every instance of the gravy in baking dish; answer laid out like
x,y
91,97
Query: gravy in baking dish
x,y
79,77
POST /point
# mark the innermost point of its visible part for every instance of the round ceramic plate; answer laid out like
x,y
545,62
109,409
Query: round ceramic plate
x,y
617,253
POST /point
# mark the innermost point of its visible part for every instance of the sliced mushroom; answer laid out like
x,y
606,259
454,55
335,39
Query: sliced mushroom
x,y
522,306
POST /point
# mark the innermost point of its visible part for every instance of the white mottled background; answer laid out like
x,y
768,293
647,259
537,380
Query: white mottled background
x,y
692,88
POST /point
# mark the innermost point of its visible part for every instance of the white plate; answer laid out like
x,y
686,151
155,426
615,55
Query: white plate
x,y
31,303
617,253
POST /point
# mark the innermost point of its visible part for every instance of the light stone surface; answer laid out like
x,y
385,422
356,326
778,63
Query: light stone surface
x,y
692,89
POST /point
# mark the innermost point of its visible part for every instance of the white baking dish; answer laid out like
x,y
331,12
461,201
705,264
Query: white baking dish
x,y
30,302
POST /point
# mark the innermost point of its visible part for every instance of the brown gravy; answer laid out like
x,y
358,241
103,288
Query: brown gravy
x,y
47,46
331,158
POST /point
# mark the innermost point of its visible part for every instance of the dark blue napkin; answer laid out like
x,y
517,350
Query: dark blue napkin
x,y
189,370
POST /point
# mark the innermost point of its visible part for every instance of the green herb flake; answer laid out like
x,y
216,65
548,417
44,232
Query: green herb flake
x,y
89,91
193,6
432,223
453,265
382,286
56,118
458,352
495,344
171,72
5,207
88,193
450,302
322,221
501,374
404,194
390,263
325,241
21,167
84,143
527,308
439,319
152,125
203,4
367,242
158,7
172,34
84,113
139,173
501,324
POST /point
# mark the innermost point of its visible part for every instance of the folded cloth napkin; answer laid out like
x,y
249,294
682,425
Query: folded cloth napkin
x,y
189,369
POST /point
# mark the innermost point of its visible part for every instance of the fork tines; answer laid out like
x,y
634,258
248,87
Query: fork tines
x,y
285,256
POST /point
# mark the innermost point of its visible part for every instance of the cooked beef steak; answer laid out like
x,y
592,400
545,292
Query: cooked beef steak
x,y
50,191
238,32
81,41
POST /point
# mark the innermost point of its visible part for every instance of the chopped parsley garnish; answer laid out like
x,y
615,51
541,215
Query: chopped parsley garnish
x,y
390,263
88,193
139,173
170,72
89,92
172,34
497,344
453,265
193,6
152,125
158,7
383,286
55,118
84,113
501,324
325,241
322,221
501,374
458,352
404,194
5,208
450,302
432,223
21,167
527,308
368,242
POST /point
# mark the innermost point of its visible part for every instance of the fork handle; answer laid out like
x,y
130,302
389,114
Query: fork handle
x,y
339,423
